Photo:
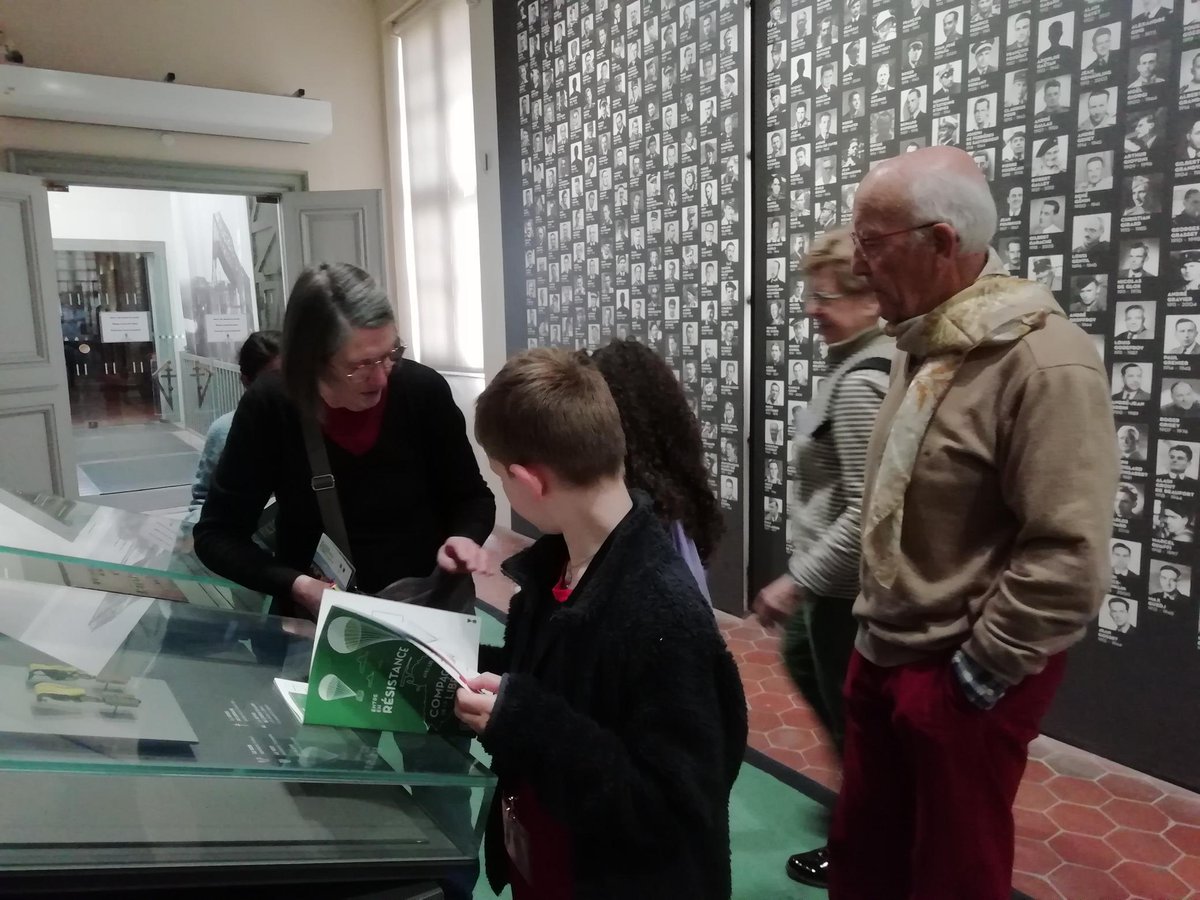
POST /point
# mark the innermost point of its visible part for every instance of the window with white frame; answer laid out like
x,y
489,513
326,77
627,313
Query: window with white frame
x,y
438,185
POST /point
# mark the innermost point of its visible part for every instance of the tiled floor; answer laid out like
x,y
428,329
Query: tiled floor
x,y
1087,828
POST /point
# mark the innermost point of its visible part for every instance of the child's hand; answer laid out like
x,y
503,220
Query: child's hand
x,y
460,555
473,707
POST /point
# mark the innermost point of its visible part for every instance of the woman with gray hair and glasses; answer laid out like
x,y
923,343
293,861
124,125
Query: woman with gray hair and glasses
x,y
813,600
405,475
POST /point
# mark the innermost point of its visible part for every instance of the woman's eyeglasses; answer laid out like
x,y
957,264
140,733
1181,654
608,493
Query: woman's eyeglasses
x,y
362,371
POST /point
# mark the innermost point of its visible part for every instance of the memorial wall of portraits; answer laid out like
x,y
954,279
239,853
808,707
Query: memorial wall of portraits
x,y
632,150
1085,117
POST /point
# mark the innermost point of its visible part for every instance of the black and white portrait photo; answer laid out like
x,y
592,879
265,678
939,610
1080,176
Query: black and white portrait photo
x,y
1134,321
1055,34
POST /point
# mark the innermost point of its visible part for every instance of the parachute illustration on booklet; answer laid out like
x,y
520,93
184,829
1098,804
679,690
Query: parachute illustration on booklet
x,y
389,666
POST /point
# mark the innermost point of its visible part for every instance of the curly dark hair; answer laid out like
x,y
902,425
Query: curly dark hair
x,y
663,453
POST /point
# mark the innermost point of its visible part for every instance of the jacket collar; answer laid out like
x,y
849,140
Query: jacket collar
x,y
539,567
843,350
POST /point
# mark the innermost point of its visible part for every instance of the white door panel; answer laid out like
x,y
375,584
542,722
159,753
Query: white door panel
x,y
332,226
36,449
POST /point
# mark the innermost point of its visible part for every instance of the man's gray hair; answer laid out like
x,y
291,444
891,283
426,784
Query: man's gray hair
x,y
961,201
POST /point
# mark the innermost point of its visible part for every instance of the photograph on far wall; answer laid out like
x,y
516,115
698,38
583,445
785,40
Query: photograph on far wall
x,y
1085,119
632,124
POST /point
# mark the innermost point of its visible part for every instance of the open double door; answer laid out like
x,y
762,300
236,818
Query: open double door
x,y
36,442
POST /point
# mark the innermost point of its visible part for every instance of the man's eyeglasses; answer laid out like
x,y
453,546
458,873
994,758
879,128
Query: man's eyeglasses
x,y
862,243
362,371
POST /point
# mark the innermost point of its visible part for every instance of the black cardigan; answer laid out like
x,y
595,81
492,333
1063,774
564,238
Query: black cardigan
x,y
418,485
623,709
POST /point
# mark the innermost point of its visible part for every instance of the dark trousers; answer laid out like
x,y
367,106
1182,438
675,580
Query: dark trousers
x,y
817,642
929,781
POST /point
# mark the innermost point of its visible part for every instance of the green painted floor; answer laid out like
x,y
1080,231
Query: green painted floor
x,y
769,820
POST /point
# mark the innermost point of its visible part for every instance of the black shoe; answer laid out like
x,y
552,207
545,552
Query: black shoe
x,y
811,868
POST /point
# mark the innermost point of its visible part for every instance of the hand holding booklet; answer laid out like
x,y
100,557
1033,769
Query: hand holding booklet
x,y
388,665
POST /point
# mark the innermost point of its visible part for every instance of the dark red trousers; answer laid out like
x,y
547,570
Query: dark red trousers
x,y
925,810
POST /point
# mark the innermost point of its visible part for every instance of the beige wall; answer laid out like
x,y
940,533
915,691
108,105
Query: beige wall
x,y
331,48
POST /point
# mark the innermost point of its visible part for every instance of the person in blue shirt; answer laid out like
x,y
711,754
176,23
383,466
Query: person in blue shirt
x,y
260,353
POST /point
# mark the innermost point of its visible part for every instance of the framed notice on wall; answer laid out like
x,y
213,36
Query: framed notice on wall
x,y
124,327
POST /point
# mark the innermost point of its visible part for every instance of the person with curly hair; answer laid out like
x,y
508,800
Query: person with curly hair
x,y
664,456
814,598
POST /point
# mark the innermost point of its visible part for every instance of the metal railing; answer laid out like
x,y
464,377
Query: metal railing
x,y
208,389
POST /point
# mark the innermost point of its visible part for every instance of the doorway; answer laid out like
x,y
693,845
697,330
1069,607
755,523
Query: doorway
x,y
156,292
289,228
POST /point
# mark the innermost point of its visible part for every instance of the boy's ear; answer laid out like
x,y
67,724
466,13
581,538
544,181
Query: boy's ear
x,y
535,478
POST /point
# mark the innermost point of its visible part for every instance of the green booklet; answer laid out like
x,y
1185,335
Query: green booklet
x,y
389,666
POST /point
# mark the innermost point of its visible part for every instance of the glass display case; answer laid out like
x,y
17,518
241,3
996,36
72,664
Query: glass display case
x,y
145,745
71,543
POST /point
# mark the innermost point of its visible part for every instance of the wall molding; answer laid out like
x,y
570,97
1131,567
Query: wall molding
x,y
109,171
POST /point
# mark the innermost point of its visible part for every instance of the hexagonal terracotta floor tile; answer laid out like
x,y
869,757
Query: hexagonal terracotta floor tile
x,y
800,716
760,657
780,684
1077,819
1034,797
1080,883
793,759
830,778
1035,887
754,672
1138,816
1147,881
1036,857
1182,808
1084,850
792,738
1037,772
1077,763
822,756
1187,870
745,633
1140,846
1035,825
771,702
1083,791
762,720
1186,838
1130,787
738,648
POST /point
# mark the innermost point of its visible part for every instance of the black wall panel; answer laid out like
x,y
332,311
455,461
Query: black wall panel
x,y
1086,118
623,161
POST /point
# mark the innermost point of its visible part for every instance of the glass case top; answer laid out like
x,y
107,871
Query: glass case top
x,y
94,682
85,545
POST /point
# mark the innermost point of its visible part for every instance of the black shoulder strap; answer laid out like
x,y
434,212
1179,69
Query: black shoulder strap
x,y
325,487
872,364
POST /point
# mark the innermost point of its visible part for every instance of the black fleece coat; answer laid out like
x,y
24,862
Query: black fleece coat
x,y
418,485
624,711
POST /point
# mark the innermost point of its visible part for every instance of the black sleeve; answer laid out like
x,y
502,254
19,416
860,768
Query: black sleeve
x,y
469,502
240,488
493,659
674,757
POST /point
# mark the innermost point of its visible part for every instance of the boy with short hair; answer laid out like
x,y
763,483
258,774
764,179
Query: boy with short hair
x,y
615,714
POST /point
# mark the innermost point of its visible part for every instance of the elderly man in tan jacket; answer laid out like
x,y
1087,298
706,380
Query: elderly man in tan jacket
x,y
986,516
